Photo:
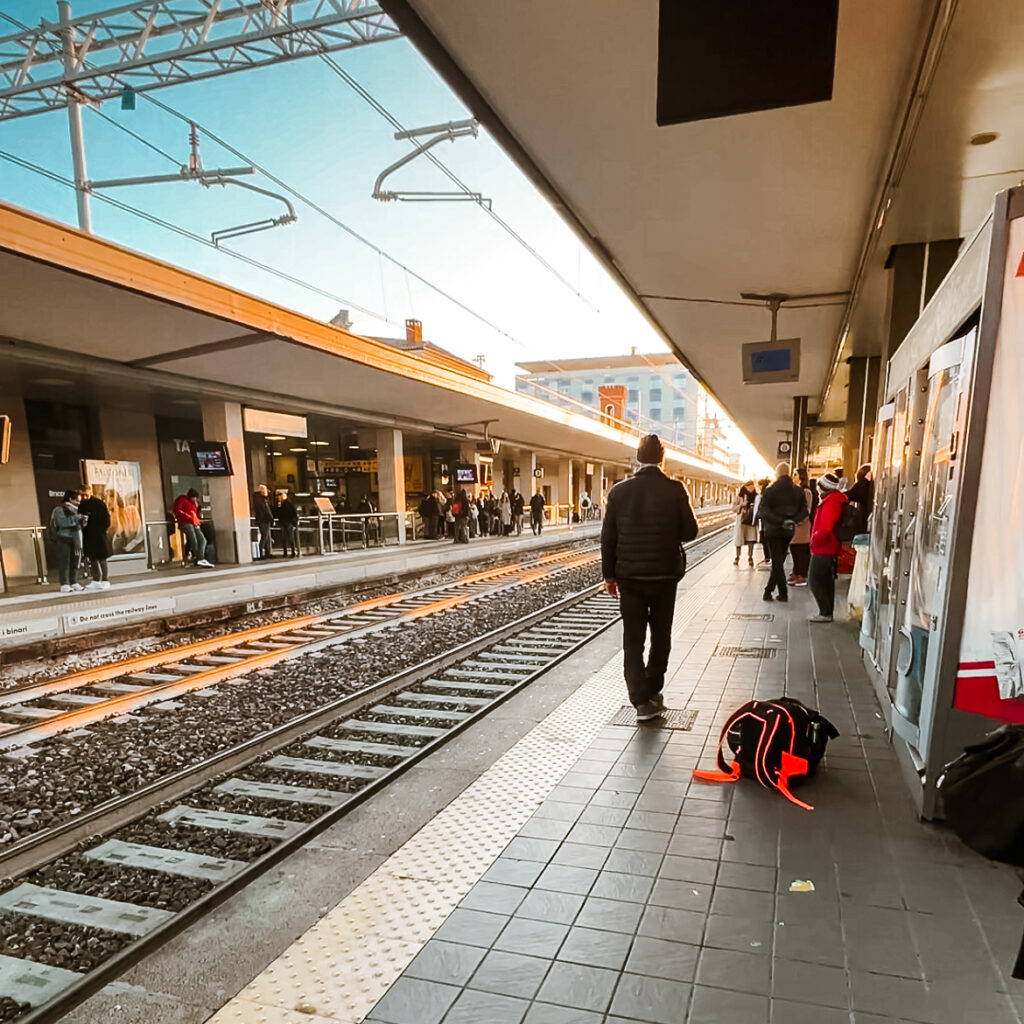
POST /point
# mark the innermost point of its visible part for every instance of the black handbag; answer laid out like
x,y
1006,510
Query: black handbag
x,y
983,795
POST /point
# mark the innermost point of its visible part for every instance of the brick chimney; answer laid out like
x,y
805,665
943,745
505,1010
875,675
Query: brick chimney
x,y
413,331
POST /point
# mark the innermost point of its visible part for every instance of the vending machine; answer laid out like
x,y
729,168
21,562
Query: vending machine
x,y
943,629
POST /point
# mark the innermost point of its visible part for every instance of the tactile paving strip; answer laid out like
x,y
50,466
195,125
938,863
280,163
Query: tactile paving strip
x,y
346,962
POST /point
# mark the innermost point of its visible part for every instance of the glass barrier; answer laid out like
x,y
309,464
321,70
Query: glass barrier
x,y
22,554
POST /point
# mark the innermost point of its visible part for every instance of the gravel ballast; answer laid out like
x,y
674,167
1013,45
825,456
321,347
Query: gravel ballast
x,y
69,774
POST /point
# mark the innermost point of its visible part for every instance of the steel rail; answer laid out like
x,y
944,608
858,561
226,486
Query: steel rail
x,y
31,732
172,655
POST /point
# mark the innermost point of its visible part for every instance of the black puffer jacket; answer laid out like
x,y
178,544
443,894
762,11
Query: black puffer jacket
x,y
782,502
646,520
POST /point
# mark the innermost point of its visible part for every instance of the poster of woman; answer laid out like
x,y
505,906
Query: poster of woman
x,y
119,484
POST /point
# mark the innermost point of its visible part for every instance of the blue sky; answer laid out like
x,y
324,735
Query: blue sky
x,y
305,125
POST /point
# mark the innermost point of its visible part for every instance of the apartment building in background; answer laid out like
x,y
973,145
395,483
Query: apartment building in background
x,y
662,396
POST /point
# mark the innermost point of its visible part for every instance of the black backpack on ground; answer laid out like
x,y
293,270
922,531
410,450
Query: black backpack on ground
x,y
983,795
777,742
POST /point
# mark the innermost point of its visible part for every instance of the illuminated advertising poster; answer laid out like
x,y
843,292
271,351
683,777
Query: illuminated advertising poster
x,y
990,679
119,485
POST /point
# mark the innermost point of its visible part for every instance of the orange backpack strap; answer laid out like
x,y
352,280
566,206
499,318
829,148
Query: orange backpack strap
x,y
727,772
791,765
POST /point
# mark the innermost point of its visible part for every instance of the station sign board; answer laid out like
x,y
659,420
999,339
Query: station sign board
x,y
263,421
20,631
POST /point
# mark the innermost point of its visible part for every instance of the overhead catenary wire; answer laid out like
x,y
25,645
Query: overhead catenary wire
x,y
379,107
193,236
305,200
311,204
323,212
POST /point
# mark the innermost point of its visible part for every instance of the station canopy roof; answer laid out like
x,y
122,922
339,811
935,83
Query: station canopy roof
x,y
80,310
689,176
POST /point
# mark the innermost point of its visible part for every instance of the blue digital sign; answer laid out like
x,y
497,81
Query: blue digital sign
x,y
770,360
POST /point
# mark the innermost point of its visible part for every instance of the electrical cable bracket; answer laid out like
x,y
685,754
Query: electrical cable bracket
x,y
437,133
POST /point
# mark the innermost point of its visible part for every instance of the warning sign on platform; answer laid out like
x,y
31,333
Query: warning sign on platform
x,y
119,614
28,629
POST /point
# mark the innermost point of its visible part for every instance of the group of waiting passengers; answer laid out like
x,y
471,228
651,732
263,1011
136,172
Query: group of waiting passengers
x,y
459,516
798,517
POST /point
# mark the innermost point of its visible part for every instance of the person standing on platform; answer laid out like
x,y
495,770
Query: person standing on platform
x,y
186,518
427,515
745,532
506,514
862,494
825,547
518,506
766,561
287,515
783,506
94,537
66,530
537,513
264,516
647,519
460,510
800,545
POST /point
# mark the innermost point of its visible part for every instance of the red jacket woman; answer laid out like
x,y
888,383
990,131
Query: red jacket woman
x,y
823,537
825,547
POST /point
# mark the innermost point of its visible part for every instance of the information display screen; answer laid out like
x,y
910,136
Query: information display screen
x,y
465,474
211,458
770,360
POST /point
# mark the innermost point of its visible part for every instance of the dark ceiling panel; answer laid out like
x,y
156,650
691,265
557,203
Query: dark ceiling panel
x,y
723,57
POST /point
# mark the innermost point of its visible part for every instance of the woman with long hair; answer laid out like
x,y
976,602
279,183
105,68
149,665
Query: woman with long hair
x,y
800,545
745,532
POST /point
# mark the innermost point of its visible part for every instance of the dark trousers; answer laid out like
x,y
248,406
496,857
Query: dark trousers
x,y
821,581
643,604
778,548
289,538
801,558
537,521
67,561
265,550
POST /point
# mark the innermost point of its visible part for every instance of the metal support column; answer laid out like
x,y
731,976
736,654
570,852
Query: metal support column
x,y
67,33
798,454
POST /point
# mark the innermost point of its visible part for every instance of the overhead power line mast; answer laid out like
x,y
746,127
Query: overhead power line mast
x,y
142,46
145,46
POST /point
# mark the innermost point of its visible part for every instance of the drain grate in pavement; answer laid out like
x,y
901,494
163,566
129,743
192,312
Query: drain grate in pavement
x,y
748,617
745,652
626,715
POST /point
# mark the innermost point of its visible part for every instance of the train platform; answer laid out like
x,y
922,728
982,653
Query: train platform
x,y
32,613
549,866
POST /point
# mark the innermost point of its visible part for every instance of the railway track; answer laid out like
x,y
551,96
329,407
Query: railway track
x,y
38,711
215,826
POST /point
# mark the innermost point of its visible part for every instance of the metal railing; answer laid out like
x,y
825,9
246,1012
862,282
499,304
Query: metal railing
x,y
22,546
322,535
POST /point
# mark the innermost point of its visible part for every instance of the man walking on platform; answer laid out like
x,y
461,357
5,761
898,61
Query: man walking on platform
x,y
783,506
647,520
